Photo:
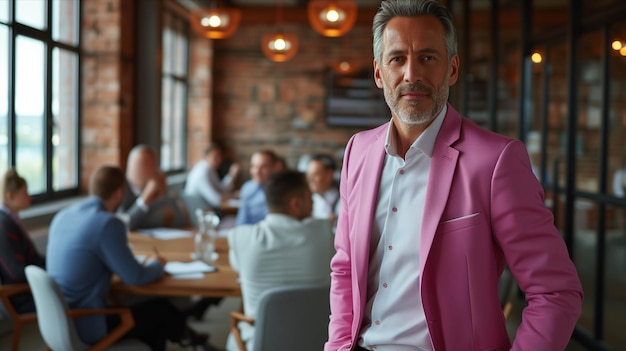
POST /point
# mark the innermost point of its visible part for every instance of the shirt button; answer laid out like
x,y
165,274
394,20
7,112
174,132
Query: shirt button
x,y
390,247
384,285
395,209
401,171
377,322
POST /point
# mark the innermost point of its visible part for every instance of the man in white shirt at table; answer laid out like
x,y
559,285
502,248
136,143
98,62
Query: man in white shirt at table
x,y
204,181
320,175
286,248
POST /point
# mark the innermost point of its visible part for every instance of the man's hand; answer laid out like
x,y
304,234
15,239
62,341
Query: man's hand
x,y
233,171
154,189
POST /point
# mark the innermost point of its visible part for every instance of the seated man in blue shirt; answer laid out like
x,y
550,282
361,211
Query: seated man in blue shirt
x,y
87,244
252,204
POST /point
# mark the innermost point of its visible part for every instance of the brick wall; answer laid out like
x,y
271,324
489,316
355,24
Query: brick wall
x,y
236,95
107,77
258,103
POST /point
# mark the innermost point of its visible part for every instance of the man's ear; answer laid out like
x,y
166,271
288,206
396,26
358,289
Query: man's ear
x,y
377,79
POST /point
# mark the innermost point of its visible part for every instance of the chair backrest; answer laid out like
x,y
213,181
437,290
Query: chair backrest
x,y
56,328
293,318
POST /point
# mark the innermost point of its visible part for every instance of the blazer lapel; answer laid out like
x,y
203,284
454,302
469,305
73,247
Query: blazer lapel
x,y
443,165
373,159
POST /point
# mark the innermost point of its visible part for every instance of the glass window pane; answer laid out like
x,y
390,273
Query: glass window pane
x,y
557,113
65,119
589,111
4,11
168,35
617,114
178,125
31,13
4,98
64,20
29,112
181,50
166,122
615,278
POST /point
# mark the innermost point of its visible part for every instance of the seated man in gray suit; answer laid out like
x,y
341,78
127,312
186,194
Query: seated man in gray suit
x,y
286,248
146,202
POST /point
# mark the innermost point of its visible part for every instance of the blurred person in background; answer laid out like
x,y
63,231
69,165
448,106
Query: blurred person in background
x,y
16,248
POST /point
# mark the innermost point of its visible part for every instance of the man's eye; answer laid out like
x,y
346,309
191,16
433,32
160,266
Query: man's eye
x,y
428,58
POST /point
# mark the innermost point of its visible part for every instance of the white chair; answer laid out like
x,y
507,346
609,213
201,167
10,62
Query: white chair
x,y
55,319
289,318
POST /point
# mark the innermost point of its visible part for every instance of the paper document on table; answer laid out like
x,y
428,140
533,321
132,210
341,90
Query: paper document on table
x,y
188,276
175,268
166,233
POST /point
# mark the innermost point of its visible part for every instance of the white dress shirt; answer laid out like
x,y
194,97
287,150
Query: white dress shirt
x,y
204,181
394,317
326,204
278,251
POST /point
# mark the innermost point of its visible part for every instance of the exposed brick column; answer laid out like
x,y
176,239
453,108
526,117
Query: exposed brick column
x,y
199,108
108,83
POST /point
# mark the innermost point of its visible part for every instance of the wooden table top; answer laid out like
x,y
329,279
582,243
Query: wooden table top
x,y
221,283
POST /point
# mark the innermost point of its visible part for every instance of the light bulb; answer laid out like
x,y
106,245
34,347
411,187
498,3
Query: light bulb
x,y
279,44
215,21
332,15
536,57
616,45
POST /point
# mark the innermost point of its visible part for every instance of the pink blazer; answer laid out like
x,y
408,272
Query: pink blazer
x,y
484,182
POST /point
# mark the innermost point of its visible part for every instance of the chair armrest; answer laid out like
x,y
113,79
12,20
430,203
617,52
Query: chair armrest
x,y
10,290
126,324
235,318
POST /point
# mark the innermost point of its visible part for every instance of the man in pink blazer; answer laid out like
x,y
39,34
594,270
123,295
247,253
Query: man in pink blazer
x,y
432,209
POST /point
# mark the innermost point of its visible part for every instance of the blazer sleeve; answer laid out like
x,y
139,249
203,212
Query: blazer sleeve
x,y
341,318
535,253
121,261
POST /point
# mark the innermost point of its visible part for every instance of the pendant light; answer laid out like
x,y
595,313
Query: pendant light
x,y
215,22
332,18
279,46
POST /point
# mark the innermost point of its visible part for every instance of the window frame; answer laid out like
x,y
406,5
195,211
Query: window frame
x,y
45,36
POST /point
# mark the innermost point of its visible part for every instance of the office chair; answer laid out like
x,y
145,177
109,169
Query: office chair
x,y
18,319
288,318
55,319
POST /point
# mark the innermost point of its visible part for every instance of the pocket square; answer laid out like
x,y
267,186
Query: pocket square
x,y
460,218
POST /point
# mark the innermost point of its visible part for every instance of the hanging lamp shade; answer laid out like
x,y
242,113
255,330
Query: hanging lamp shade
x,y
215,22
279,47
332,18
344,66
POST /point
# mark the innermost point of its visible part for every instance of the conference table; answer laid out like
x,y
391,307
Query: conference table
x,y
220,283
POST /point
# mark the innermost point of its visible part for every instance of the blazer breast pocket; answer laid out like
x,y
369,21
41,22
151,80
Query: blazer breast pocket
x,y
458,223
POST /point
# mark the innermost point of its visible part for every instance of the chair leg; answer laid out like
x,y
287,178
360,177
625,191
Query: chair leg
x,y
17,332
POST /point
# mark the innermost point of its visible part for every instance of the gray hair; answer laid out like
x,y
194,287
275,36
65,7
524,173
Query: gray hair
x,y
411,8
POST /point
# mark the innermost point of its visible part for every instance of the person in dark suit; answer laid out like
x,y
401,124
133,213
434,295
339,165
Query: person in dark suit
x,y
16,248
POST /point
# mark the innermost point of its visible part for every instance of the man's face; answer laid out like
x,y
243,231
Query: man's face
x,y
414,71
320,178
260,167
141,168
214,158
